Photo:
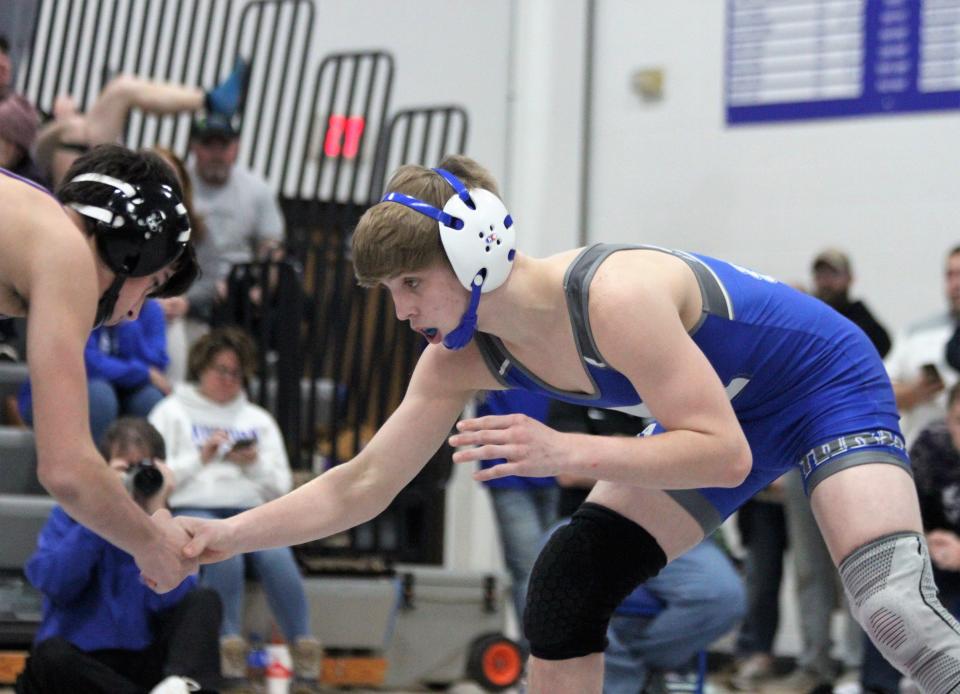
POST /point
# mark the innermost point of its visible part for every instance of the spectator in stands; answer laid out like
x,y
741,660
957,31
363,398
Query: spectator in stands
x,y
6,67
125,370
72,133
763,529
700,598
241,210
524,507
917,364
659,629
936,464
103,630
228,455
832,278
188,315
18,132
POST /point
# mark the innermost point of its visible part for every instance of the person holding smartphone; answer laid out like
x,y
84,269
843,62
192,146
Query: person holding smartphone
x,y
228,456
919,357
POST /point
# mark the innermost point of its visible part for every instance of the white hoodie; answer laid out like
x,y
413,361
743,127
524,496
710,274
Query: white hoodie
x,y
186,419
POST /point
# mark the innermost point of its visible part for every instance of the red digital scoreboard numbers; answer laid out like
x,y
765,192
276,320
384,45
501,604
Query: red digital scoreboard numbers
x,y
343,136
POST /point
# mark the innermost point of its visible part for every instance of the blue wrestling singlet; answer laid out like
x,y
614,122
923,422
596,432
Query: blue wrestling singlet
x,y
806,384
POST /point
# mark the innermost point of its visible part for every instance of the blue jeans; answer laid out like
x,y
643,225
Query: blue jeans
x,y
106,403
523,516
278,573
703,598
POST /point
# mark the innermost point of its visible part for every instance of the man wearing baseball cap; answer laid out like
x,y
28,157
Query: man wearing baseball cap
x,y
239,206
832,278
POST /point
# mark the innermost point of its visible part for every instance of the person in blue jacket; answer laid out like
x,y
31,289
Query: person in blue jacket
x,y
125,370
103,629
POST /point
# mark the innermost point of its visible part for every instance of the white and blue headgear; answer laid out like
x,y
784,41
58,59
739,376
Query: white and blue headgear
x,y
478,236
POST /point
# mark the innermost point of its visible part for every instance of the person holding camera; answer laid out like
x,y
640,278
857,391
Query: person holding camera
x,y
228,456
103,629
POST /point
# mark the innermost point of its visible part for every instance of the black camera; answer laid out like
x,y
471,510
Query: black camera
x,y
144,479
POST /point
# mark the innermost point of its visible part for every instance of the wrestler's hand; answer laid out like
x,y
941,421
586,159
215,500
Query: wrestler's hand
x,y
210,540
921,390
531,448
162,564
944,549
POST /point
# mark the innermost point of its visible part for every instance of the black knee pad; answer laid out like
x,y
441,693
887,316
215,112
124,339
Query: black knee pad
x,y
585,570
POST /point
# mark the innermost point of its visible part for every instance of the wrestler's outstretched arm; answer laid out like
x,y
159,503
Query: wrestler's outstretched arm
x,y
361,488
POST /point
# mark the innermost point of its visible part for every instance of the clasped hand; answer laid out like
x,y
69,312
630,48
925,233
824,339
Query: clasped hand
x,y
163,565
187,543
530,448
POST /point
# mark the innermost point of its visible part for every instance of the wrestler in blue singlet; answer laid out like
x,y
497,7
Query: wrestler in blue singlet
x,y
806,384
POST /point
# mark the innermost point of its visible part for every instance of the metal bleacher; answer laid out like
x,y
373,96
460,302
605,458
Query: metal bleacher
x,y
12,374
24,508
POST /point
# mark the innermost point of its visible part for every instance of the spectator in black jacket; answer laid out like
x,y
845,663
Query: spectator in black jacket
x,y
935,456
832,278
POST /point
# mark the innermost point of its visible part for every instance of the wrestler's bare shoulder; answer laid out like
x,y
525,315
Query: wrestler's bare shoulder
x,y
638,275
36,237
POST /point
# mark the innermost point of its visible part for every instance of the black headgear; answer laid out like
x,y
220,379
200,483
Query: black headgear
x,y
140,229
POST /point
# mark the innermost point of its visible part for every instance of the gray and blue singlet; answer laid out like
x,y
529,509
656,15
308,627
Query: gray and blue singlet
x,y
806,384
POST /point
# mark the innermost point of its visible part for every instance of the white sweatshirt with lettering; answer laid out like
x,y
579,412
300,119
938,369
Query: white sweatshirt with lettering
x,y
186,419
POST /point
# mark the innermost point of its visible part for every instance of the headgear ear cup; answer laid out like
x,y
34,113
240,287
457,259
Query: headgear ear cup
x,y
479,239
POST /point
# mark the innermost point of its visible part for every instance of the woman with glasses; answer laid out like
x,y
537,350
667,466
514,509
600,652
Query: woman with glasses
x,y
228,456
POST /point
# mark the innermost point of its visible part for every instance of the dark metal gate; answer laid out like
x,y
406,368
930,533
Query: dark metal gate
x,y
334,362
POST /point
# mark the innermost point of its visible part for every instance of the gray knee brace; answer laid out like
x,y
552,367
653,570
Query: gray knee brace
x,y
889,583
583,572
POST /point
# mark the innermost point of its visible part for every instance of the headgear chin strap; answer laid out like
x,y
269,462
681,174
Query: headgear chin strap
x,y
460,337
108,300
479,239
